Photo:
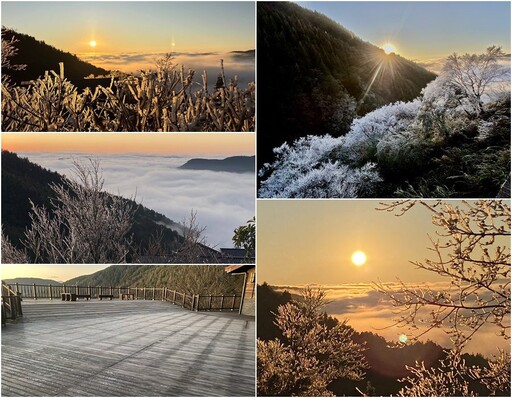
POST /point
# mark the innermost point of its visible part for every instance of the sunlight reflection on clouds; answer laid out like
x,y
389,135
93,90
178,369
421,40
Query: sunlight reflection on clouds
x,y
368,310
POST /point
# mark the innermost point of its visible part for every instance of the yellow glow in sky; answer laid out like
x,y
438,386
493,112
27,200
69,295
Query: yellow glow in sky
x,y
92,43
312,242
226,144
59,272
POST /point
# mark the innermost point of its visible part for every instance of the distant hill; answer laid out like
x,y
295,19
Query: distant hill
x,y
23,181
313,75
40,57
192,279
30,281
234,164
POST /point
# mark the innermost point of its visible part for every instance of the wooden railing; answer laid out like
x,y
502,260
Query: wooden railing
x,y
11,304
194,302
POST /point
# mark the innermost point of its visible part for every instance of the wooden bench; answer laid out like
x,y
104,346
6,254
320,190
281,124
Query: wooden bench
x,y
102,296
85,296
68,296
126,296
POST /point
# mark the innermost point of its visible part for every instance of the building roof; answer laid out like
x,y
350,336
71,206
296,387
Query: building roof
x,y
237,268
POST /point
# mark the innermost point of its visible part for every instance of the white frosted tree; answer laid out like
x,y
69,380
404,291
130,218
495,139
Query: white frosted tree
x,y
85,225
473,75
313,353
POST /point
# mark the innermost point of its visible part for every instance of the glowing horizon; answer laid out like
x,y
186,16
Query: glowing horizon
x,y
57,272
195,144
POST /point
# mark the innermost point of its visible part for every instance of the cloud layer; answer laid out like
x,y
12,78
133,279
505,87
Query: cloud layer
x,y
223,201
368,310
240,63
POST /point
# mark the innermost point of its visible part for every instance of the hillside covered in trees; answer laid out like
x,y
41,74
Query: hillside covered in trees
x,y
40,57
315,76
190,279
24,181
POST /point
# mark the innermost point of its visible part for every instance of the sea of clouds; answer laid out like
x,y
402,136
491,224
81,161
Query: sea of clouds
x,y
222,200
239,63
366,309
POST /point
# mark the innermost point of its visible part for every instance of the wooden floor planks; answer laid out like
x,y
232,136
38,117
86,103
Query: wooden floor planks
x,y
127,348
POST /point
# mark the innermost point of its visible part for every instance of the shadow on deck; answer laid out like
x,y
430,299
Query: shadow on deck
x,y
127,348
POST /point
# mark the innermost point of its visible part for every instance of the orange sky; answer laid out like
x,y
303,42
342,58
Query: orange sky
x,y
220,144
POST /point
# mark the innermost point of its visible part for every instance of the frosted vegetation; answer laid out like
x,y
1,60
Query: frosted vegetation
x,y
454,140
167,99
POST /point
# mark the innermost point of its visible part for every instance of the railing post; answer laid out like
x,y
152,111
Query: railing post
x,y
50,292
233,304
111,291
89,292
34,291
17,288
183,303
77,291
222,302
174,297
210,303
153,293
164,294
144,292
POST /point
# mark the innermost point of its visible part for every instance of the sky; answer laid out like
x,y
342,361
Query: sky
x,y
311,242
424,30
195,144
57,272
129,35
147,166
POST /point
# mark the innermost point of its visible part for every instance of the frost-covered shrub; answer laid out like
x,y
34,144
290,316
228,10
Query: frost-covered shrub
x,y
308,169
388,123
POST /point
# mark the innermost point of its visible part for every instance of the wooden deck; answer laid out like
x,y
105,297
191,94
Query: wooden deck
x,y
127,348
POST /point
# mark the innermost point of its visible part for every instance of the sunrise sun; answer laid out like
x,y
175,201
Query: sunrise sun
x,y
358,258
92,43
389,48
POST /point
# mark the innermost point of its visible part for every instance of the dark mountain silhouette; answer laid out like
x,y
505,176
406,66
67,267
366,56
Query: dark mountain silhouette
x,y
40,57
313,75
30,281
23,181
234,164
387,362
191,279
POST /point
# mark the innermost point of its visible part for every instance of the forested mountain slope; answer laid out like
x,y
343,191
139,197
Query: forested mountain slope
x,y
315,76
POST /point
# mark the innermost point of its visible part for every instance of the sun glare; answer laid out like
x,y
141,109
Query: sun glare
x,y
358,258
389,48
92,43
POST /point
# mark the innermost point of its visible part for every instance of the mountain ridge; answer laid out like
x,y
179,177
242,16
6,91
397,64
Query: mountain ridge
x,y
233,164
39,57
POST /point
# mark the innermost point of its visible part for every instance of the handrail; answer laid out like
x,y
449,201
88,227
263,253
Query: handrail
x,y
11,303
194,302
